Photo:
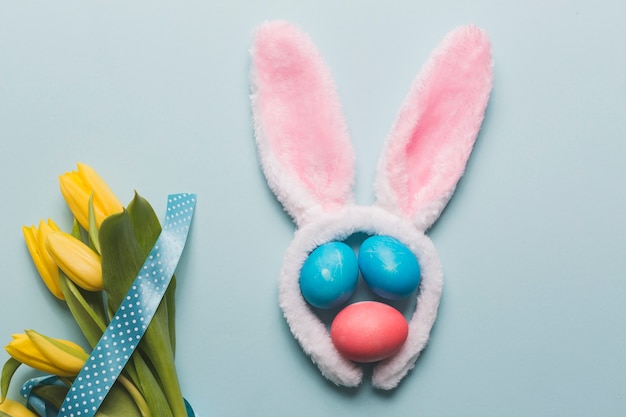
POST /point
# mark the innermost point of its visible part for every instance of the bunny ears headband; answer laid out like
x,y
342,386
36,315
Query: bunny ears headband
x,y
308,160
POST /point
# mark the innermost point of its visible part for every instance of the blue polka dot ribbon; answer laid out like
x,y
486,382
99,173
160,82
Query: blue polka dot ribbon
x,y
36,403
131,320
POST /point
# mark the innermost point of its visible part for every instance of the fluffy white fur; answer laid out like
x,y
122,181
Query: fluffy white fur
x,y
308,328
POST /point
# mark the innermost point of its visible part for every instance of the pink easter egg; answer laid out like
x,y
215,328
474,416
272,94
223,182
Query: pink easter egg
x,y
368,331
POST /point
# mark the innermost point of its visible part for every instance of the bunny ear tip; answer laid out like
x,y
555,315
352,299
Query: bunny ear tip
x,y
276,28
280,41
471,34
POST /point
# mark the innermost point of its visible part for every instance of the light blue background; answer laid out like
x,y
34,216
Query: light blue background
x,y
154,95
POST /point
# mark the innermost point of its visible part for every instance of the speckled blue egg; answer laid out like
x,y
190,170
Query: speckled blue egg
x,y
329,275
388,267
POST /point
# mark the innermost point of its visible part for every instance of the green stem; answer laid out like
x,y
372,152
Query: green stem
x,y
165,369
140,401
172,390
151,387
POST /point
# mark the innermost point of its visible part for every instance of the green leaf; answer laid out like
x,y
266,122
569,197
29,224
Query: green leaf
x,y
76,230
86,307
118,403
122,258
94,242
145,223
8,370
147,229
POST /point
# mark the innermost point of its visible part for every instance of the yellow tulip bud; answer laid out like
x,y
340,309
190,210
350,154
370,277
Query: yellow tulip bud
x,y
81,264
15,409
54,356
47,268
60,353
78,186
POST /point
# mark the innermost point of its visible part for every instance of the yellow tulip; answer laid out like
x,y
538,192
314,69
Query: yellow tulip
x,y
78,186
35,241
54,356
81,264
15,409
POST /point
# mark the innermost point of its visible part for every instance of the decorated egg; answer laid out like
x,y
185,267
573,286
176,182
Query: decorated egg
x,y
388,267
368,331
329,275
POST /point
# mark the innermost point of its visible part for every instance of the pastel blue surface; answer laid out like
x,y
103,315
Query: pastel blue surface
x,y
154,96
389,267
329,275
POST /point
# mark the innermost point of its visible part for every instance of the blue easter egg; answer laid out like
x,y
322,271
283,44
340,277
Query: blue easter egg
x,y
388,267
329,275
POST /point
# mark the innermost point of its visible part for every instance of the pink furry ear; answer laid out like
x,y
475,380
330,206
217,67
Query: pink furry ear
x,y
434,133
301,133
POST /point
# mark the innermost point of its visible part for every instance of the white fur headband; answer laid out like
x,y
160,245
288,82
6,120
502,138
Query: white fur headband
x,y
308,160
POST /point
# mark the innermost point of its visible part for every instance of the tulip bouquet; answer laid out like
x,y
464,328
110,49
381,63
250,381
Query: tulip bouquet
x,y
91,269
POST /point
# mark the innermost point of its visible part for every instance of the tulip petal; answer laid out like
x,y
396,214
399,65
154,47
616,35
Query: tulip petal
x,y
47,271
23,350
81,264
31,238
60,353
104,199
22,343
75,196
10,408
44,230
76,193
